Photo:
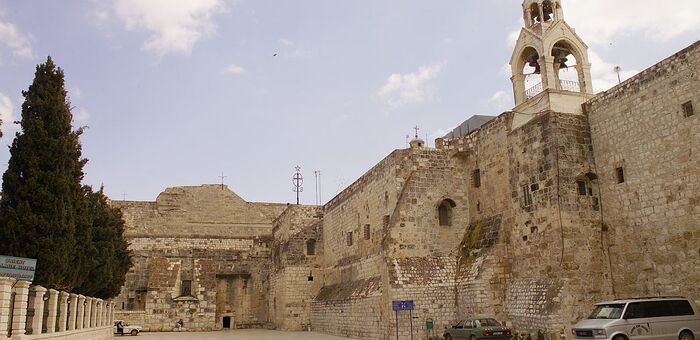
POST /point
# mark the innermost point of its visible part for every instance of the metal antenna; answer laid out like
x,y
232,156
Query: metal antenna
x,y
123,196
317,174
617,69
297,180
222,180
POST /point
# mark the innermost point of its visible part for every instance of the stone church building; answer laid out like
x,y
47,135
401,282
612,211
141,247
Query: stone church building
x,y
530,216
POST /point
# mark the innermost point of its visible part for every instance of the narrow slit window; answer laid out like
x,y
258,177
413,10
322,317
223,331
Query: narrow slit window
x,y
688,109
620,174
349,238
367,232
527,196
476,178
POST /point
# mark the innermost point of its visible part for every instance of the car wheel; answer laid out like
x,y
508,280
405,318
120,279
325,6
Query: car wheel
x,y
685,335
448,337
619,337
472,337
134,332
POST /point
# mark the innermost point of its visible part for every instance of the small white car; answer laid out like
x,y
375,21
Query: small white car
x,y
128,329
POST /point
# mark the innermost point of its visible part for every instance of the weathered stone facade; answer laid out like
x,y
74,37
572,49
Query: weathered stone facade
x,y
530,218
201,254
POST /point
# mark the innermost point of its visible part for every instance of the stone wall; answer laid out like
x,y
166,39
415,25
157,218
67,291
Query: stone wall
x,y
652,217
529,227
205,237
297,275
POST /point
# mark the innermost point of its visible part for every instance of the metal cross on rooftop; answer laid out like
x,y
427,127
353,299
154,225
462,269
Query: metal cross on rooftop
x,y
222,180
416,128
297,180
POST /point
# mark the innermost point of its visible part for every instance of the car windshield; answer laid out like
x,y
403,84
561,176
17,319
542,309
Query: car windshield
x,y
489,323
609,311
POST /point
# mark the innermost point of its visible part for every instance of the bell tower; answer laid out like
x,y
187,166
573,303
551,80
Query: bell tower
x,y
550,64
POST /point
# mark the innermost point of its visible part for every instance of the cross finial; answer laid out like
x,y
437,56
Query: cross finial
x,y
222,180
416,128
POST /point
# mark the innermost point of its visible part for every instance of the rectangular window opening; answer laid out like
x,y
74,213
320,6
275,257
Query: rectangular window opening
x,y
688,109
186,288
349,238
581,188
367,232
620,174
385,220
476,178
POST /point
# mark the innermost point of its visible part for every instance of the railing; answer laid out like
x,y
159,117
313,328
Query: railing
x,y
533,91
570,85
564,85
34,310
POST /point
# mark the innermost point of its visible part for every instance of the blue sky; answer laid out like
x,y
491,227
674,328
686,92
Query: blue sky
x,y
175,92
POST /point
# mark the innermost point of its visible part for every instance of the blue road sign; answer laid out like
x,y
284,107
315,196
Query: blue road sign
x,y
402,305
17,267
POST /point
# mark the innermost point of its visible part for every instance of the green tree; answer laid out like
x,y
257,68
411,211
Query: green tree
x,y
112,259
42,195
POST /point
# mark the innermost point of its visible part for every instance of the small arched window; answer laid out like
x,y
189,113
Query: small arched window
x,y
445,212
311,247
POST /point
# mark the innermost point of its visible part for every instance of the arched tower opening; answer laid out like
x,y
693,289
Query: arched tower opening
x,y
567,68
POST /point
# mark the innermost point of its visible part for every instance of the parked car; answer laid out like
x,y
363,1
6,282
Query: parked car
x,y
655,318
128,329
480,328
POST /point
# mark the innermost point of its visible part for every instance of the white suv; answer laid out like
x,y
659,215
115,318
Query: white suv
x,y
655,318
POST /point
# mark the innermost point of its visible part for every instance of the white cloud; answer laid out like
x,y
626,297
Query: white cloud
x,y
75,93
289,48
234,69
286,42
603,73
501,100
597,21
174,25
81,116
17,42
401,89
8,117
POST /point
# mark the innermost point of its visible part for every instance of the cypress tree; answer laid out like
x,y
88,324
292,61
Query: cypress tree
x,y
42,195
112,259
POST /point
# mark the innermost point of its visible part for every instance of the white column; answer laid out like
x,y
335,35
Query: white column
x,y
38,318
79,322
73,316
53,311
63,307
19,314
5,296
111,314
98,313
88,312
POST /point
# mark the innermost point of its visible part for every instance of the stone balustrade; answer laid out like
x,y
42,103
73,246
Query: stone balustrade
x,y
34,312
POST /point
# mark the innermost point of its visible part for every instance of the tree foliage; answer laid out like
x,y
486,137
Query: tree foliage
x,y
111,260
45,211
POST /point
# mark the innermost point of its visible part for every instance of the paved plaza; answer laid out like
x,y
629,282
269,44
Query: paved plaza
x,y
243,334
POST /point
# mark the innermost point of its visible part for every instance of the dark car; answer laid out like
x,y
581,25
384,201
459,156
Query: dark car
x,y
472,329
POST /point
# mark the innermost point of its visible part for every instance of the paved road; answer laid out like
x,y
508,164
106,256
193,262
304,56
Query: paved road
x,y
243,334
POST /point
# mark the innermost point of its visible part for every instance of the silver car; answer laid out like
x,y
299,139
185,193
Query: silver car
x,y
657,318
